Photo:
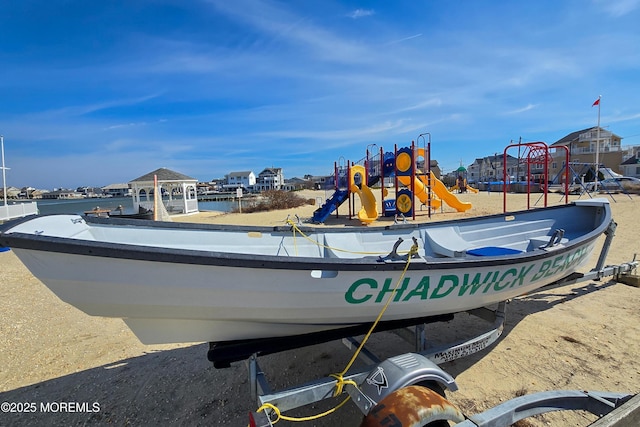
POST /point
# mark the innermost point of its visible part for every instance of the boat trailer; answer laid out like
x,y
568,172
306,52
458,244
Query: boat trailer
x,y
408,389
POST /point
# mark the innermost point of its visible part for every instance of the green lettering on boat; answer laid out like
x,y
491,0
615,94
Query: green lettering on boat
x,y
524,271
401,289
388,287
493,280
475,283
449,277
558,262
351,299
543,270
422,290
498,287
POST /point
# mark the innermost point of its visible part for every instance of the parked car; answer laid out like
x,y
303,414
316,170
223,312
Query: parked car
x,y
614,184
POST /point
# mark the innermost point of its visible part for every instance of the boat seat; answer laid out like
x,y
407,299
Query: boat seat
x,y
343,245
447,241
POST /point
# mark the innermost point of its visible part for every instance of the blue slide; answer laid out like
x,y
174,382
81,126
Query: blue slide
x,y
331,204
340,196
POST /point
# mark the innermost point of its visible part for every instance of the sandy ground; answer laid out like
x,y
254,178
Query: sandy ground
x,y
584,336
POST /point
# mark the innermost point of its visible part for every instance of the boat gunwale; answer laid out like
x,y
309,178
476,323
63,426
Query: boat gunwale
x,y
227,259
310,228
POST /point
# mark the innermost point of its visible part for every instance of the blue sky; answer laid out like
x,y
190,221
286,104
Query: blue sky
x,y
100,92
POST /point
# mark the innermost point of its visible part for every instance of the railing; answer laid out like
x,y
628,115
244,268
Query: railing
x,y
175,206
192,205
592,135
602,149
18,210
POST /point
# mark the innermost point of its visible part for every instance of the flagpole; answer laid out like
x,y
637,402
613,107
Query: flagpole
x,y
598,146
4,174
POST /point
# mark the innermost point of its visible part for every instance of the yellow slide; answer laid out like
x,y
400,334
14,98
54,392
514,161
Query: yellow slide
x,y
449,198
439,189
473,190
369,211
421,190
467,186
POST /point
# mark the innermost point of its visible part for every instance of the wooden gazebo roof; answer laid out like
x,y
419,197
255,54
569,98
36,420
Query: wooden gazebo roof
x,y
164,174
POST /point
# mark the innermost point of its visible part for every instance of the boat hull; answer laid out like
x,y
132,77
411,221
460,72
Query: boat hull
x,y
164,302
174,294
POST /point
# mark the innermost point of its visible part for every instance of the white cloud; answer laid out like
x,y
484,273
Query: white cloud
x,y
403,39
360,13
521,110
618,8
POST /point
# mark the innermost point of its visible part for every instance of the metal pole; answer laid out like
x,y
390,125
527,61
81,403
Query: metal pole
x,y
414,159
382,178
4,175
598,146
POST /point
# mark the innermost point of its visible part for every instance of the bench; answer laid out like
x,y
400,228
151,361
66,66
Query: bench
x,y
447,241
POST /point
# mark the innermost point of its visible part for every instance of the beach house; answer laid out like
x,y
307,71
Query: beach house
x,y
117,190
631,166
492,168
582,145
269,179
242,179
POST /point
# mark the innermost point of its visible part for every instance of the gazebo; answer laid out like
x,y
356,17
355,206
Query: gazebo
x,y
180,189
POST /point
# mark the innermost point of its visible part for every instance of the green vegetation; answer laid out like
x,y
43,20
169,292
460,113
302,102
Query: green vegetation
x,y
274,200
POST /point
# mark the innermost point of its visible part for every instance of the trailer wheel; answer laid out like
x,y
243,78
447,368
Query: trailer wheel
x,y
413,406
434,386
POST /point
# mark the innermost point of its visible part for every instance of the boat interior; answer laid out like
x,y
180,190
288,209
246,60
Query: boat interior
x,y
510,236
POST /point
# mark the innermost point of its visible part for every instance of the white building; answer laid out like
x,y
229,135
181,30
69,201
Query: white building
x,y
243,179
117,190
269,179
631,166
491,168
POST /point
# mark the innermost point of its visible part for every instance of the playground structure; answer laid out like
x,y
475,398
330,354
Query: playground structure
x,y
461,185
410,182
413,182
535,154
573,176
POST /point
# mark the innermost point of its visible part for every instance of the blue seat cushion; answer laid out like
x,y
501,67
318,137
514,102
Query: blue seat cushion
x,y
492,251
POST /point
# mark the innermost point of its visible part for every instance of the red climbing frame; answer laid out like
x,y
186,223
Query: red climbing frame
x,y
536,153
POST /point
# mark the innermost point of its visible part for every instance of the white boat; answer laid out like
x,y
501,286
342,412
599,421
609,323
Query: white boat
x,y
179,282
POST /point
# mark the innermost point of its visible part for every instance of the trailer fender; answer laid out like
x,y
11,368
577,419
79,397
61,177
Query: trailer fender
x,y
396,373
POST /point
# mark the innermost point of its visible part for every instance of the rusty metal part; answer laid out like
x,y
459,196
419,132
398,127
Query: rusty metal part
x,y
412,406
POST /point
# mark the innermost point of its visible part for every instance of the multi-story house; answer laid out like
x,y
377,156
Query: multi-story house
x,y
269,179
631,165
243,179
582,146
491,168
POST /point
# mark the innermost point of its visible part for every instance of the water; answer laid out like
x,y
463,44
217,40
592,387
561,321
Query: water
x,y
221,206
80,206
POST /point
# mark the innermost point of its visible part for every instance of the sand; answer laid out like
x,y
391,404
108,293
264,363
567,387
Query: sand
x,y
584,336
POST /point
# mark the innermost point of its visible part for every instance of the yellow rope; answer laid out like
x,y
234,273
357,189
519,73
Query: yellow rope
x,y
297,229
279,415
340,381
412,251
295,241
